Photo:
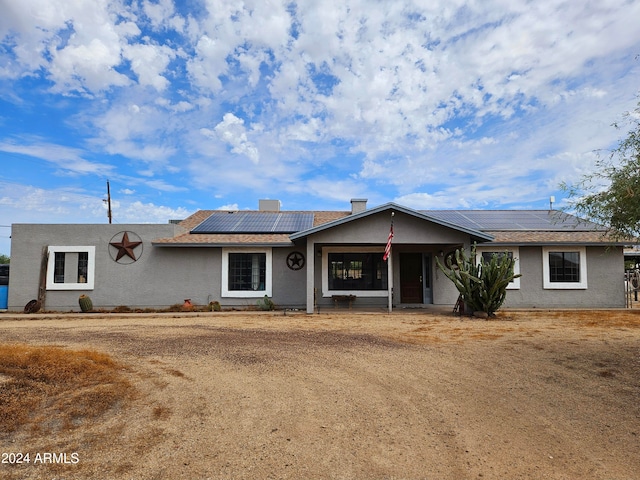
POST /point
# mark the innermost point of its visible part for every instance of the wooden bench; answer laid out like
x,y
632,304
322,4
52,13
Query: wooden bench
x,y
343,298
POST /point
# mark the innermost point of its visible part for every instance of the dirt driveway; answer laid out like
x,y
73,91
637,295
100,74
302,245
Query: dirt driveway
x,y
528,395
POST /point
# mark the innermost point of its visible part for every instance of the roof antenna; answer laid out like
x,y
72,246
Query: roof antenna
x,y
552,199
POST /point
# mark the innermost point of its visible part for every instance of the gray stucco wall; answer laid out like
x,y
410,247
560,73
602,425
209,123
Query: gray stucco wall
x,y
289,286
605,282
161,277
374,229
115,284
444,291
196,273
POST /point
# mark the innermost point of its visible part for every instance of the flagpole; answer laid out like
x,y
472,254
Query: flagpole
x,y
390,267
390,282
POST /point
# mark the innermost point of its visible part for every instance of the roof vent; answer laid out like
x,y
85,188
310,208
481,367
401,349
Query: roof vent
x,y
358,205
269,205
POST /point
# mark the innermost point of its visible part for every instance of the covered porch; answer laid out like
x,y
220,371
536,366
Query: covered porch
x,y
356,277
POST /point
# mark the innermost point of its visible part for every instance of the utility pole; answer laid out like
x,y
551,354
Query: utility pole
x,y
108,202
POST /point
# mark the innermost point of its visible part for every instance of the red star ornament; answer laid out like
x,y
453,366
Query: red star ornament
x,y
125,247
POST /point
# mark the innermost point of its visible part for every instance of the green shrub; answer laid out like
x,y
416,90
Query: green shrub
x,y
266,304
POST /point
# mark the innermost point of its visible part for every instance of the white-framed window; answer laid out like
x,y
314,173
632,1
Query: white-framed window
x,y
564,268
71,267
356,271
512,252
246,272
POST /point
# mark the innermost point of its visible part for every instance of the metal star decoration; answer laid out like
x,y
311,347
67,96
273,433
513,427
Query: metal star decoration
x,y
125,247
295,260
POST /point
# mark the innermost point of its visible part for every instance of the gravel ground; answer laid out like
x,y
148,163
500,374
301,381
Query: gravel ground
x,y
528,395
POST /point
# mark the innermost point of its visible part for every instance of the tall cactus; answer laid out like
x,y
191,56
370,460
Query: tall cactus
x,y
482,285
496,275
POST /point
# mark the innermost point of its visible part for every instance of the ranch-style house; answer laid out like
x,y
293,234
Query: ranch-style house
x,y
310,260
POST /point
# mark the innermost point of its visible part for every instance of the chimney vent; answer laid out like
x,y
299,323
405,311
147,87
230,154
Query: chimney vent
x,y
358,205
269,205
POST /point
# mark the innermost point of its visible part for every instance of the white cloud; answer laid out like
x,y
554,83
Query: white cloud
x,y
90,66
232,132
335,191
159,12
336,99
139,212
67,159
163,186
209,64
135,131
230,207
179,107
27,204
82,45
30,25
149,62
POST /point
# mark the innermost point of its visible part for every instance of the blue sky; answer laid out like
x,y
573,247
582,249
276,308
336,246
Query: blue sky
x,y
194,104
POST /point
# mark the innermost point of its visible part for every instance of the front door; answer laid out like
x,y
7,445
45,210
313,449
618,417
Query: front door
x,y
411,287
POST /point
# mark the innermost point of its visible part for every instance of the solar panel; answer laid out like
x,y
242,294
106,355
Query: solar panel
x,y
513,220
454,217
255,222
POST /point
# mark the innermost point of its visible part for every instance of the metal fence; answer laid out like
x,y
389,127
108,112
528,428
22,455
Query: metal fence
x,y
631,288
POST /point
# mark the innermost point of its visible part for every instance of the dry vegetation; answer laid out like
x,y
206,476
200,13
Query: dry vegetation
x,y
47,390
528,394
57,401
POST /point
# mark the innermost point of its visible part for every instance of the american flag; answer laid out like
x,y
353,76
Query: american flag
x,y
387,249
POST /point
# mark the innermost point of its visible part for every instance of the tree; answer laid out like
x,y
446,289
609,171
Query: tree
x,y
482,285
4,259
610,196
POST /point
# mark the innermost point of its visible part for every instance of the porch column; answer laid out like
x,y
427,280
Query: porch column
x,y
311,261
